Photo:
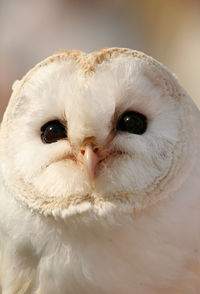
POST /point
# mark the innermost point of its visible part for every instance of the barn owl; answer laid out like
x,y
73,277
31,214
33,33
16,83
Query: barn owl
x,y
99,178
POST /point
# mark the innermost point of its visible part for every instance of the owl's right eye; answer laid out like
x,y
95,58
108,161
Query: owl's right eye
x,y
53,131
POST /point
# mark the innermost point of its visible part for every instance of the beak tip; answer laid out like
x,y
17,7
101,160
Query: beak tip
x,y
92,184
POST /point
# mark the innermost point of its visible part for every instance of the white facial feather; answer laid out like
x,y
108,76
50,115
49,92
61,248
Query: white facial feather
x,y
89,105
122,226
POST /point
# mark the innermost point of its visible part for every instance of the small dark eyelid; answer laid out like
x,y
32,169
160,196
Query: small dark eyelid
x,y
132,110
43,128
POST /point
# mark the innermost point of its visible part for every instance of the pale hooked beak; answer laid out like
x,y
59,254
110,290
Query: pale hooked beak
x,y
90,161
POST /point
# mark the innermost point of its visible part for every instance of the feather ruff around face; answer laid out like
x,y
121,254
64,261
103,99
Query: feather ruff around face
x,y
88,93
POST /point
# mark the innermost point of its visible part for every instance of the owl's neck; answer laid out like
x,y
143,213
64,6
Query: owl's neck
x,y
87,254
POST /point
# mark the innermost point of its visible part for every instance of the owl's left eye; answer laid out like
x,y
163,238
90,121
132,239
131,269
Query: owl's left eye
x,y
53,131
132,122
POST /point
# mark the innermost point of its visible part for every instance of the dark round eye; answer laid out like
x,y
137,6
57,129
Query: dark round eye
x,y
53,131
132,122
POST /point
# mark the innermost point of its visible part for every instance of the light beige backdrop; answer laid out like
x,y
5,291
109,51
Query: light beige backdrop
x,y
167,30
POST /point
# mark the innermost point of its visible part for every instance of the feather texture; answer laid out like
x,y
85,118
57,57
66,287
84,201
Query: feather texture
x,y
135,229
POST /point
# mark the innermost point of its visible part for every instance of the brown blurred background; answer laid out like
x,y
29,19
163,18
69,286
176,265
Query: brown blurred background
x,y
168,30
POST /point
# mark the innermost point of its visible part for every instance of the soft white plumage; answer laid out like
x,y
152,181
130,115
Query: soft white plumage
x,y
126,223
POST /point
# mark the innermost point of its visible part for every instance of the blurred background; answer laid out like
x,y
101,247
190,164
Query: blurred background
x,y
168,30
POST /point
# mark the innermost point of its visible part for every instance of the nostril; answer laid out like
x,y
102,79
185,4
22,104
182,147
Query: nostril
x,y
83,152
96,150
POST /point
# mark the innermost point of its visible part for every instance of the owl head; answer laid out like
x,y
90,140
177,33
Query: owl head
x,y
107,130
